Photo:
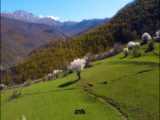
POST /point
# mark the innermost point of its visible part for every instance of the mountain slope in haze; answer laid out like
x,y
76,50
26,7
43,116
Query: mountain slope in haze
x,y
18,38
69,28
78,28
23,32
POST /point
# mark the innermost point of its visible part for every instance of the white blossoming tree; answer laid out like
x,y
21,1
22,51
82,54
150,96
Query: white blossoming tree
x,y
146,37
77,66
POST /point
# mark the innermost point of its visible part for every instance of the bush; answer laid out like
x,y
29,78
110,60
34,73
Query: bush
x,y
27,83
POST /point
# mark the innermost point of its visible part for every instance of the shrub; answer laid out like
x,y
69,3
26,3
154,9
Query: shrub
x,y
150,47
15,94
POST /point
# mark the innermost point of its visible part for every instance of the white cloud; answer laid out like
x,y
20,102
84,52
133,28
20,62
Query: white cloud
x,y
52,17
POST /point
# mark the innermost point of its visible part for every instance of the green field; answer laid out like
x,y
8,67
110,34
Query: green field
x,y
113,89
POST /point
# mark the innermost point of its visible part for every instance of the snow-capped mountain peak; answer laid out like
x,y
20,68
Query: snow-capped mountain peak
x,y
29,17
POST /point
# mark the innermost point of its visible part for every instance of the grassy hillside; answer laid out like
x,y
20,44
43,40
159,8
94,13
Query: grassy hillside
x,y
113,89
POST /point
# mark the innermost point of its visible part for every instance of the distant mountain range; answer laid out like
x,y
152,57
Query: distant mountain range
x,y
29,17
22,32
69,28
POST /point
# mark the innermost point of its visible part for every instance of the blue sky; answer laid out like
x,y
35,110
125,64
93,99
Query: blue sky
x,y
74,10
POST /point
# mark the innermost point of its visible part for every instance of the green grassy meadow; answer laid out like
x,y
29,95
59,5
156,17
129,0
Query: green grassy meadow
x,y
113,89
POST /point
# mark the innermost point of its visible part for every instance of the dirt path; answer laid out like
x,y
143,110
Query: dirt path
x,y
109,101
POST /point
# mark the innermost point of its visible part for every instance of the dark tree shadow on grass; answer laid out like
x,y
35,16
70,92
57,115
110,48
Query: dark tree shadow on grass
x,y
78,73
143,71
68,83
123,57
